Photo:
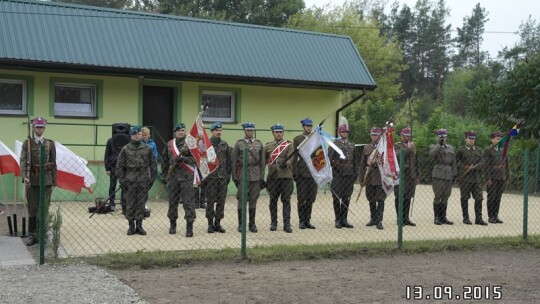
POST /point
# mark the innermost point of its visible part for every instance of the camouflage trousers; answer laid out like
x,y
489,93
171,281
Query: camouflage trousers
x,y
136,196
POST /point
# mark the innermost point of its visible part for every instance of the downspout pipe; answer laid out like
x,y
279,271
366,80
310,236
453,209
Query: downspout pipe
x,y
347,105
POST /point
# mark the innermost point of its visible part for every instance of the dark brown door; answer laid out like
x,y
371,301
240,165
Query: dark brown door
x,y
158,113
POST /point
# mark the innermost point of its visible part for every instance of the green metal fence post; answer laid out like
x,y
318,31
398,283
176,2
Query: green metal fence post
x,y
400,197
244,200
537,174
42,216
525,194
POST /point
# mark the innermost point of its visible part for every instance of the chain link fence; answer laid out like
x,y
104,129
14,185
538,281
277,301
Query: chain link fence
x,y
88,228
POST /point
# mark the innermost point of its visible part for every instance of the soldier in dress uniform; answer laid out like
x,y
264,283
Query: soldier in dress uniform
x,y
214,186
255,172
470,164
345,173
371,179
30,159
410,171
443,175
306,187
279,183
497,174
136,169
178,165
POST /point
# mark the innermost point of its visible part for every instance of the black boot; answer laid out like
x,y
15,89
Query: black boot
x,y
239,220
32,239
217,227
478,213
189,229
273,216
301,216
140,229
307,216
172,228
337,212
345,214
437,213
372,213
252,225
444,219
465,212
210,225
287,217
131,229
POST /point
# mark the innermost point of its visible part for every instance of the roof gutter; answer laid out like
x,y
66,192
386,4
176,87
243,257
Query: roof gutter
x,y
347,105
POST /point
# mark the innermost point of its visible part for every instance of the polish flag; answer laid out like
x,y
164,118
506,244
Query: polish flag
x,y
72,174
9,162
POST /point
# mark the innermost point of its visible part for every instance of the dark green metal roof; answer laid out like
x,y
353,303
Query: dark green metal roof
x,y
35,34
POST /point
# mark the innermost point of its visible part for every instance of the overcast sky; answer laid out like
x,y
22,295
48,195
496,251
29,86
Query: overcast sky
x,y
504,16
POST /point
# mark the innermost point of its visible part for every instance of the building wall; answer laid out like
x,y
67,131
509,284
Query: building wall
x,y
121,101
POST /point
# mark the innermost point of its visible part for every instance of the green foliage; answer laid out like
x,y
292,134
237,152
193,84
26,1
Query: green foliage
x,y
365,115
120,4
469,39
56,226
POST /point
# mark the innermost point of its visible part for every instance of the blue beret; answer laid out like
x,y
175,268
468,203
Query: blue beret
x,y
248,126
135,129
277,127
216,125
307,122
179,126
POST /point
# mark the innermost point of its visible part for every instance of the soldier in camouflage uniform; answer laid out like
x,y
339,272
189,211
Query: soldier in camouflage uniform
x,y
306,187
443,175
371,179
30,162
345,173
497,174
470,164
279,183
410,172
136,169
255,172
177,165
214,186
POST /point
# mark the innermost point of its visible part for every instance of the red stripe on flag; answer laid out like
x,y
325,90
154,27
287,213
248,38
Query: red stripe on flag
x,y
8,164
71,182
390,150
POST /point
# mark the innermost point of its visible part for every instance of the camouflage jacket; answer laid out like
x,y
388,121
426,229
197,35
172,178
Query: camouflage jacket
x,y
171,165
224,156
136,164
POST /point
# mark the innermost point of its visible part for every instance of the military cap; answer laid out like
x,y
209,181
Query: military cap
x,y
135,129
307,122
470,134
375,131
496,134
441,133
277,127
216,125
406,131
248,126
179,126
39,122
343,128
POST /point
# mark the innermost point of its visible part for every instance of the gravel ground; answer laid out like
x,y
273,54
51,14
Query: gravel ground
x,y
72,284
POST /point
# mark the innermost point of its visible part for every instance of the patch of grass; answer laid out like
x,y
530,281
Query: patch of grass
x,y
259,254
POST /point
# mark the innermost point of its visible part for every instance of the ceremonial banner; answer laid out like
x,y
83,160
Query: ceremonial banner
x,y
201,148
72,174
387,161
314,151
505,141
9,162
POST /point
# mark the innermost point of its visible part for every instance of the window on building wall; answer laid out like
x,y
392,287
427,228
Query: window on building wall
x,y
12,96
74,99
221,107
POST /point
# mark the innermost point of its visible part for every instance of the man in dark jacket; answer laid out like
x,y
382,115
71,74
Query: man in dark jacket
x,y
410,172
114,145
371,179
497,174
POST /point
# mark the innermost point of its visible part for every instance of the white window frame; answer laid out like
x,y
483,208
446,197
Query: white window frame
x,y
24,100
76,109
232,95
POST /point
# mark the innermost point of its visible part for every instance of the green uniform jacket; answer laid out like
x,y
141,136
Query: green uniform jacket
x,y
224,156
168,162
444,158
374,175
410,163
274,171
496,167
344,167
467,156
50,162
136,164
299,165
256,160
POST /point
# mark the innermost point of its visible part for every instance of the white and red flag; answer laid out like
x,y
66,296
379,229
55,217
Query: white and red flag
x,y
9,162
72,174
201,148
387,161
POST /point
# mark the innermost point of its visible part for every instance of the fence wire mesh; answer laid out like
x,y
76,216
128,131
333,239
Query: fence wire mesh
x,y
87,231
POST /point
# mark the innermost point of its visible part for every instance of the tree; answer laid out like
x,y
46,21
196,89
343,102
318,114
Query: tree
x,y
528,45
469,39
119,4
